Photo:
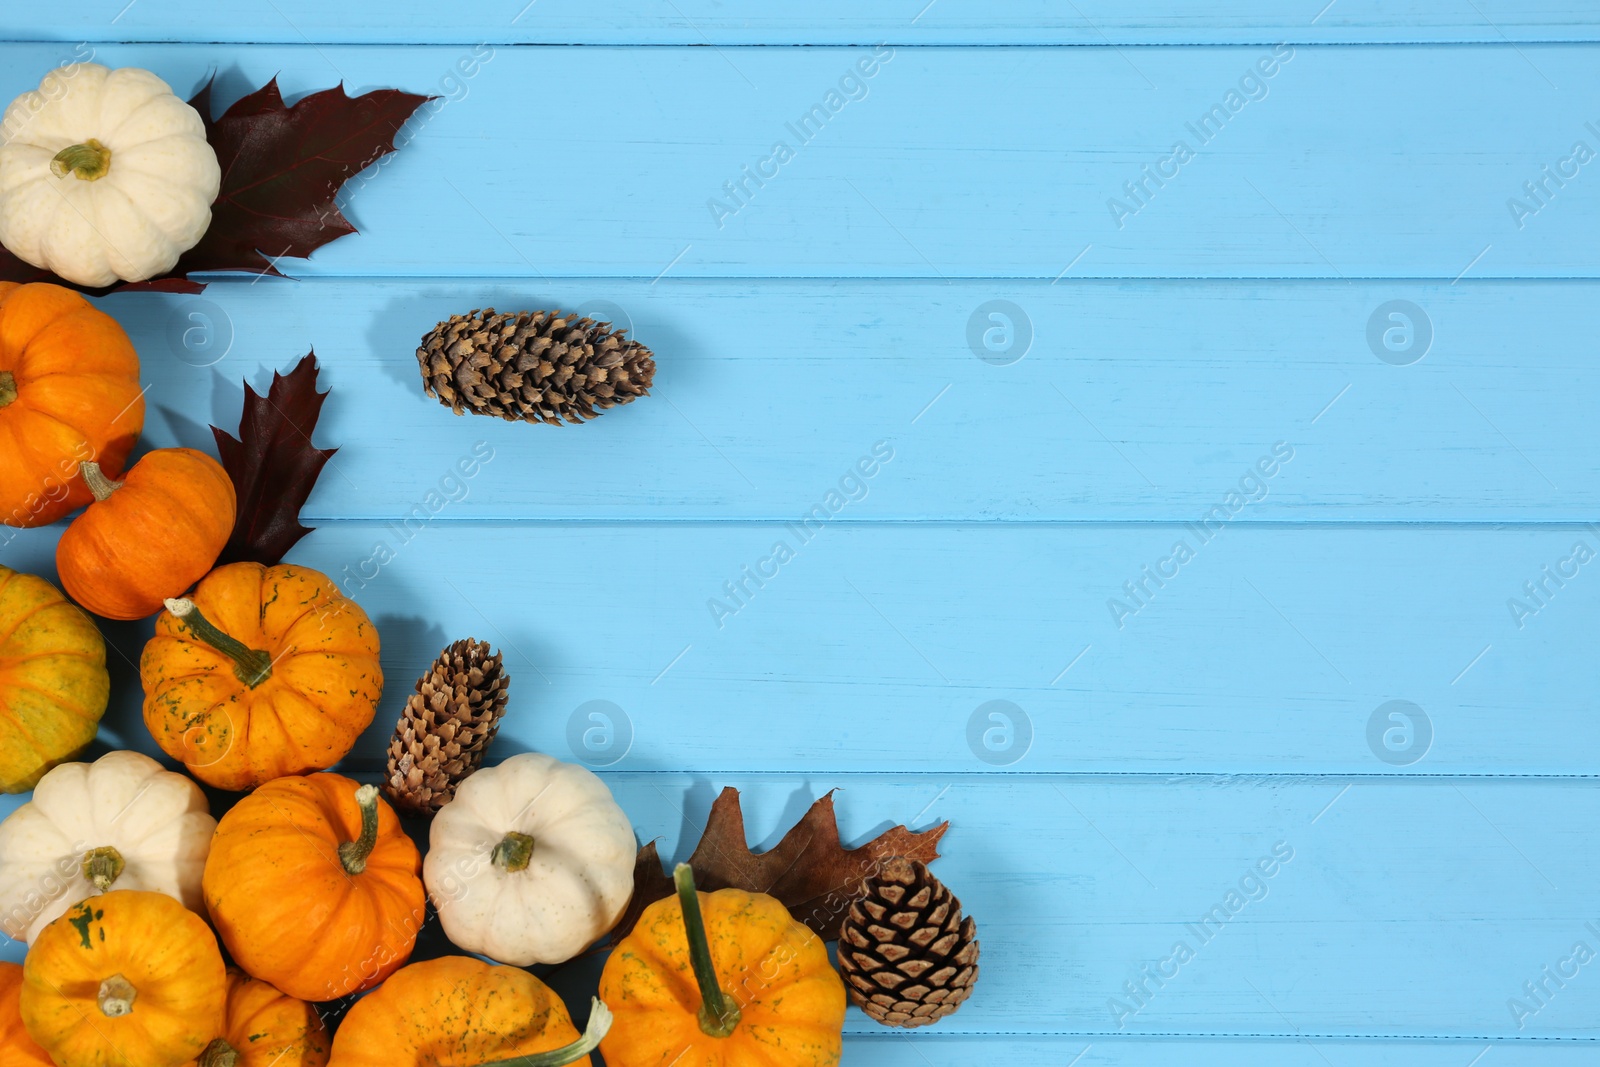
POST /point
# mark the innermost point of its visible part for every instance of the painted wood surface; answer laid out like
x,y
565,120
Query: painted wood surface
x,y
749,22
1380,659
630,162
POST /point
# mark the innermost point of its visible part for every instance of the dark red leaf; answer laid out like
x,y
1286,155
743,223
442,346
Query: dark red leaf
x,y
273,464
282,168
809,871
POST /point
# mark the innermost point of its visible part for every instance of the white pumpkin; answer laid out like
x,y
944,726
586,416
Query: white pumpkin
x,y
121,822
532,861
104,174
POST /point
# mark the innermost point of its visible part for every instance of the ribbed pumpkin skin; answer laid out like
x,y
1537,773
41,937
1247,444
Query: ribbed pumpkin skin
x,y
268,1028
283,904
791,1000
165,950
455,1011
17,1049
53,680
324,688
78,399
151,539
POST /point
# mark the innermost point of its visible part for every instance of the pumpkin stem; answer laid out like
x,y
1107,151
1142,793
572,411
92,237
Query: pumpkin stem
x,y
513,853
353,854
102,866
90,161
95,479
8,387
599,1026
719,1015
251,665
116,996
218,1054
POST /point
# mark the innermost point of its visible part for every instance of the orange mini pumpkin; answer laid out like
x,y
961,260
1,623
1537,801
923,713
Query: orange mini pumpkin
x,y
267,671
314,887
724,979
69,393
19,1049
125,978
266,1028
148,537
457,1010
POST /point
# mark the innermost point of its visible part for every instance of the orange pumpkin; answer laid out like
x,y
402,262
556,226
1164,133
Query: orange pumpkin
x,y
125,978
269,671
724,979
266,1028
19,1049
461,1012
69,393
314,887
148,537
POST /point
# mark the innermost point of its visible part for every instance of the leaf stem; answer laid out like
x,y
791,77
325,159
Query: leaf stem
x,y
719,1015
251,665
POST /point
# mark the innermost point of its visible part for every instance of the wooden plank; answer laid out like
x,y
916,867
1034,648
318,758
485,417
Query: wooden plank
x,y
694,22
1134,401
1351,162
1310,911
882,648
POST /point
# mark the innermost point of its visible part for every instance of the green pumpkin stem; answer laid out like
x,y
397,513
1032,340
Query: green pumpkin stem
x,y
8,387
719,1015
599,1026
95,479
218,1054
89,161
353,854
102,866
251,665
513,853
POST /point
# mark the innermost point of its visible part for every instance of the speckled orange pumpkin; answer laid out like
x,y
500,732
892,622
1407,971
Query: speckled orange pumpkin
x,y
314,887
125,978
266,1028
69,392
457,1012
17,1049
270,671
724,979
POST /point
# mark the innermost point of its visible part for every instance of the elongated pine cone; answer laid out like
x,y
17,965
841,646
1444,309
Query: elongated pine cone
x,y
446,727
537,366
907,956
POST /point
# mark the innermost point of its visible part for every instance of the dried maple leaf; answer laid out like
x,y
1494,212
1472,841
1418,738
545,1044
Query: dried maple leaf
x,y
273,464
282,168
809,871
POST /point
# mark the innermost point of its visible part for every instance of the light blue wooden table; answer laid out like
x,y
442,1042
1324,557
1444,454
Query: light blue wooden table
x,y
1337,323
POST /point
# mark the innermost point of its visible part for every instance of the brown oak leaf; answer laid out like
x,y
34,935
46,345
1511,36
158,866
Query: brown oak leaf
x,y
273,464
282,169
809,871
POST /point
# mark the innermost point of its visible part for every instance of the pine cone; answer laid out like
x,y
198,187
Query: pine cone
x,y
907,956
537,366
446,727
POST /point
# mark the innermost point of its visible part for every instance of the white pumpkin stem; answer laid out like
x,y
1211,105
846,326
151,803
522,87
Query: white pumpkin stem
x,y
116,997
252,666
89,161
102,866
593,1034
513,853
719,1014
95,479
353,854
